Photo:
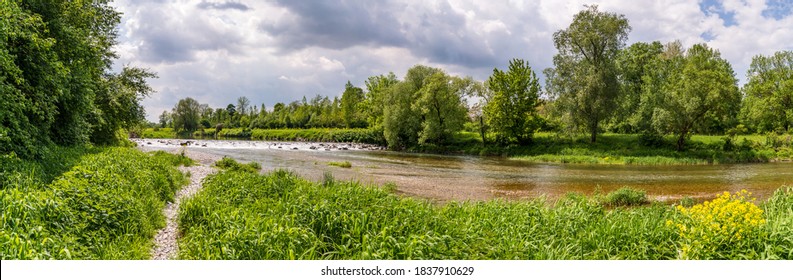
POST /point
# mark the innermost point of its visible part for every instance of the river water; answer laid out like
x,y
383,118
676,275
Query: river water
x,y
446,178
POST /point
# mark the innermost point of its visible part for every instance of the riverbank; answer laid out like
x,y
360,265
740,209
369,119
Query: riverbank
x,y
279,215
614,149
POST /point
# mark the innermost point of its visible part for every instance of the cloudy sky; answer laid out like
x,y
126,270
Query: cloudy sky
x,y
279,51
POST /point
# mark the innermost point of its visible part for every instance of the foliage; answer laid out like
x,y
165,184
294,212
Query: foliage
x,y
511,110
108,206
186,115
55,79
401,120
442,103
768,105
584,81
351,108
626,197
637,66
720,228
703,85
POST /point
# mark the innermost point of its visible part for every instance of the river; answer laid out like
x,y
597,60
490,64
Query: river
x,y
458,178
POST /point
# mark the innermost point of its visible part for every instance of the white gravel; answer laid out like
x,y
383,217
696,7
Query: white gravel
x,y
165,245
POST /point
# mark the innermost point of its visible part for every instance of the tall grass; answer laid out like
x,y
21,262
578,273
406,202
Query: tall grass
x,y
278,215
107,206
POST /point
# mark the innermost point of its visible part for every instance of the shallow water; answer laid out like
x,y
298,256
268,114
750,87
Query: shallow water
x,y
445,178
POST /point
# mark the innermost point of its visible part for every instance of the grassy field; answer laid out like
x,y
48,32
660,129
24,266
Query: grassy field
x,y
85,203
245,215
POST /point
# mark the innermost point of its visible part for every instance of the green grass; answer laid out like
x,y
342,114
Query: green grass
x,y
159,133
626,197
342,164
278,215
626,149
228,163
108,205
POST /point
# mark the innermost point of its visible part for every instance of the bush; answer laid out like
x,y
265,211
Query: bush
x,y
626,197
231,164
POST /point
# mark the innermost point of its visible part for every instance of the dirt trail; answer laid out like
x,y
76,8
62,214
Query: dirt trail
x,y
165,245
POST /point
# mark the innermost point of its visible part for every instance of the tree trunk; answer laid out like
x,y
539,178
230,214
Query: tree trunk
x,y
482,130
681,141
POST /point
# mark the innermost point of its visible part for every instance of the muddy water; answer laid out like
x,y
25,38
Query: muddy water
x,y
445,178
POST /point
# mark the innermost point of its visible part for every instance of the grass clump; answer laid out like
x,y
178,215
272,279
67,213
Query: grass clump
x,y
107,206
342,164
231,164
626,197
174,159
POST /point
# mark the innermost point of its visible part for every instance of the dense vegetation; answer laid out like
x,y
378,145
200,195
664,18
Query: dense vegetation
x,y
106,204
56,86
242,215
597,85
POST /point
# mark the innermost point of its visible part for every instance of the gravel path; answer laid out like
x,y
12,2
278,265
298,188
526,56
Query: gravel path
x,y
165,245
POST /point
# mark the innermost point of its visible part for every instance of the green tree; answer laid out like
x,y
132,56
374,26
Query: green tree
x,y
165,119
119,104
584,81
351,99
377,87
401,120
442,103
186,115
636,66
243,105
768,103
511,110
702,84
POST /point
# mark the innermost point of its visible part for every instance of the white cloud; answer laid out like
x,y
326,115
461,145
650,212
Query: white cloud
x,y
216,51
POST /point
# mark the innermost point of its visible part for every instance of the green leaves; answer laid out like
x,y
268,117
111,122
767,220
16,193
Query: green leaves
x,y
511,110
769,93
584,80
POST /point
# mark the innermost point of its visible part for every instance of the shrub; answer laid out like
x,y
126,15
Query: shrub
x,y
626,197
231,164
718,228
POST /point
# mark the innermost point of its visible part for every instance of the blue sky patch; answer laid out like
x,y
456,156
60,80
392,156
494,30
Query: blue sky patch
x,y
710,7
778,9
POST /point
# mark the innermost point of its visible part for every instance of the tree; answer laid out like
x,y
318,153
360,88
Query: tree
x,y
186,115
442,103
702,84
768,104
584,80
511,110
636,66
401,120
376,89
119,103
165,119
350,106
55,80
243,105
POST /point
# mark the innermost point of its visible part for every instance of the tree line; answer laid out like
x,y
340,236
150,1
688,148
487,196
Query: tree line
x,y
56,83
597,84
